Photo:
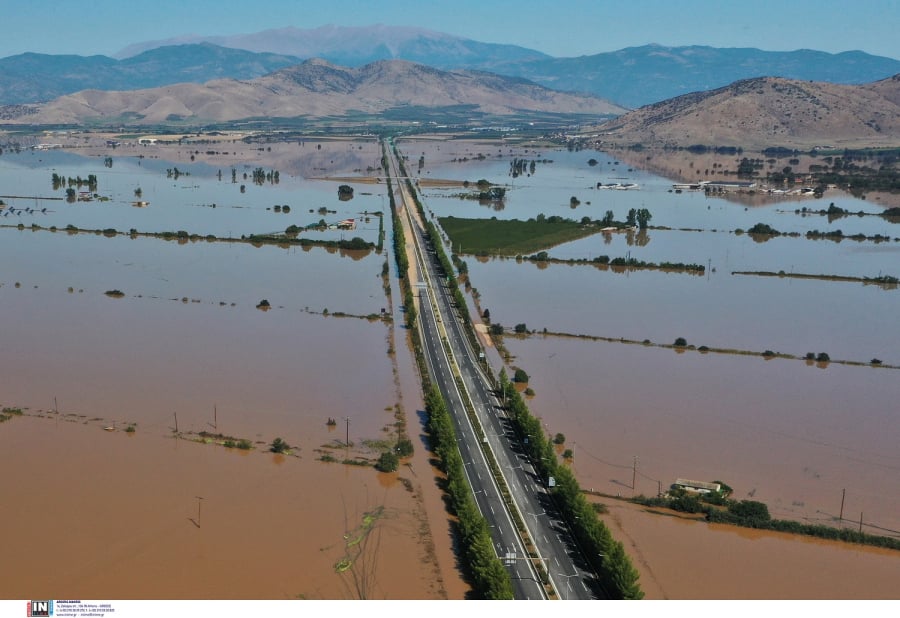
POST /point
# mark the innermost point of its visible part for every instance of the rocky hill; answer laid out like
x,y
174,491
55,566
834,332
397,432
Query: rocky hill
x,y
768,112
313,89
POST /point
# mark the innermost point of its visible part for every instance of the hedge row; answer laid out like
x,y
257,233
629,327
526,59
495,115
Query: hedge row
x,y
485,571
487,574
607,557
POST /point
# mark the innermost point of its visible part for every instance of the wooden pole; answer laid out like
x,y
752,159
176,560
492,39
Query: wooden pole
x,y
176,421
634,474
348,432
199,502
860,521
215,418
843,495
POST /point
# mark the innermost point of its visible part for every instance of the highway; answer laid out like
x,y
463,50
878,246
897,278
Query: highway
x,y
449,354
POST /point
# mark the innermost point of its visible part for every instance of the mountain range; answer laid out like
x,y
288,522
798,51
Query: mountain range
x,y
630,77
769,111
316,89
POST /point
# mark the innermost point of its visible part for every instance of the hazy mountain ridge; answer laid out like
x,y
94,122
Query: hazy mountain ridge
x,y
32,78
361,45
313,89
630,77
638,76
769,111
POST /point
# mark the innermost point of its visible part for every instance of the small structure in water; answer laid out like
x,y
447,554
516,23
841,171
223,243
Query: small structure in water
x,y
699,487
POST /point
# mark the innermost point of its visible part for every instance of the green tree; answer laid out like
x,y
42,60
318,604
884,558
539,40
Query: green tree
x,y
520,376
750,510
387,462
279,446
404,447
643,218
631,219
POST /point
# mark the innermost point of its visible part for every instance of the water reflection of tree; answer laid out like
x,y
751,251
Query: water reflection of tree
x,y
639,239
497,205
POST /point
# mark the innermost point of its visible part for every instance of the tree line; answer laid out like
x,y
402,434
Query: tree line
x,y
606,556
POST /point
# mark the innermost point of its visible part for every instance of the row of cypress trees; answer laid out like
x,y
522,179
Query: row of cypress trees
x,y
607,557
486,573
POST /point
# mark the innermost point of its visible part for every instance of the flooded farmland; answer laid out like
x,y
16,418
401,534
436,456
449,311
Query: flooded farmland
x,y
796,434
112,342
189,338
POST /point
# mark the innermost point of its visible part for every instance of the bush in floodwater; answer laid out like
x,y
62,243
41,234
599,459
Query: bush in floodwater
x,y
279,446
387,462
822,357
404,447
680,342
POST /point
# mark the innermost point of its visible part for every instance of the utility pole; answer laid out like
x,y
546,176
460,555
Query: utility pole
x,y
860,522
348,431
199,502
633,474
843,495
215,418
176,421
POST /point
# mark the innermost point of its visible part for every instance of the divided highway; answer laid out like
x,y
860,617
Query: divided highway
x,y
450,356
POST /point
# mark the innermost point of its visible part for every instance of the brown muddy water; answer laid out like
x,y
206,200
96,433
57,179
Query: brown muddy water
x,y
782,432
687,559
95,514
115,515
792,434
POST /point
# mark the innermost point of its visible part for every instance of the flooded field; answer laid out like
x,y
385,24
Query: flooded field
x,y
190,337
687,559
109,331
779,431
794,434
118,515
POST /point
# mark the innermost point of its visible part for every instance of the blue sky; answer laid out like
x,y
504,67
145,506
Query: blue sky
x,y
556,27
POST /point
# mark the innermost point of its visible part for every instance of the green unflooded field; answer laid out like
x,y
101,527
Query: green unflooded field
x,y
511,236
